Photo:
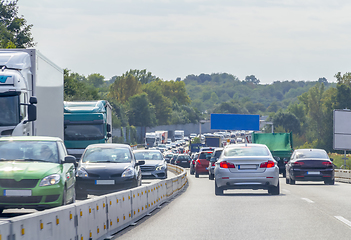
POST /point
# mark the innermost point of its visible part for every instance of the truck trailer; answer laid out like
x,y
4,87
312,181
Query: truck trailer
x,y
86,123
31,94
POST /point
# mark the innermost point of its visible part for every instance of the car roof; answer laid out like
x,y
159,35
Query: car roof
x,y
147,150
244,145
109,145
31,138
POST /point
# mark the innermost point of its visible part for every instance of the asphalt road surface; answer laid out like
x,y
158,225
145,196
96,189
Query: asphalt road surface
x,y
307,210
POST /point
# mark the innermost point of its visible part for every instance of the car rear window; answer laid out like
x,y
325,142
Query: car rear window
x,y
312,154
97,154
205,155
148,155
246,151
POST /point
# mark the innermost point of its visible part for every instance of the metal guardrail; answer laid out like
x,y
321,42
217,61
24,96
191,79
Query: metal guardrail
x,y
95,218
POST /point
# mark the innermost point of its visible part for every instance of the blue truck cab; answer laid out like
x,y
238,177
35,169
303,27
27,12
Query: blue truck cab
x,y
86,123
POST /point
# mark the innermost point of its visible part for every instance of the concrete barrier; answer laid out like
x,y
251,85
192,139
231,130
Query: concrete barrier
x,y
95,218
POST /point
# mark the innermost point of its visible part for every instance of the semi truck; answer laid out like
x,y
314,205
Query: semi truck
x,y
161,137
178,135
31,94
150,140
86,123
213,141
280,145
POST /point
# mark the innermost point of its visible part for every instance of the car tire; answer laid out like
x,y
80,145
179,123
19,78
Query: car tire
x,y
64,197
1,210
292,182
287,180
218,190
196,175
284,174
191,172
274,190
329,182
210,176
81,196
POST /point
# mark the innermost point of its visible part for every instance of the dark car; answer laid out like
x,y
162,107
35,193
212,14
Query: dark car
x,y
168,156
155,165
201,164
174,158
310,165
106,168
192,163
211,166
183,160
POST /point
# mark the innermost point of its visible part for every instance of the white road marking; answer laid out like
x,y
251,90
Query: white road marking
x,y
344,220
307,200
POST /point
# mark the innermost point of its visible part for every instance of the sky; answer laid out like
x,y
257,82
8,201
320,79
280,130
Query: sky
x,y
275,40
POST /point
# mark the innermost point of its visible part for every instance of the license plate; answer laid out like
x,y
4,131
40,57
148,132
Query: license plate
x,y
247,166
185,161
18,193
313,173
105,182
145,173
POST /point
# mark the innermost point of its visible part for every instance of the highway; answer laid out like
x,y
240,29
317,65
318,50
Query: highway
x,y
307,210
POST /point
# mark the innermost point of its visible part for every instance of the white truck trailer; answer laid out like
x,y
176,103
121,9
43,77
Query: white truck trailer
x,y
31,94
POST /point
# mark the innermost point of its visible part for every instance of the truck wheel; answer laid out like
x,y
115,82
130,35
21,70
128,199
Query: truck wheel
x,y
196,175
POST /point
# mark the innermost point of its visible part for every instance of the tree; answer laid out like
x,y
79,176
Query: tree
x,y
96,79
288,121
75,89
14,31
124,87
142,112
252,79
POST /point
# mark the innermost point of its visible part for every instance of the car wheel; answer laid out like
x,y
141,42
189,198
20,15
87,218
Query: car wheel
x,y
196,174
191,171
287,180
274,190
329,182
218,190
1,210
210,176
292,182
64,197
284,174
74,196
81,196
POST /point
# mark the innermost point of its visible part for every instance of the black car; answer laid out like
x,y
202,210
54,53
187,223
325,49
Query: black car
x,y
106,168
168,156
183,160
310,165
174,158
211,166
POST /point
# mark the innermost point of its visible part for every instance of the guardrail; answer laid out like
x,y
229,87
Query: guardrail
x,y
95,218
342,175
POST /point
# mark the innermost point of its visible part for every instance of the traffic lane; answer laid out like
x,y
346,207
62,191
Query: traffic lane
x,y
10,213
240,214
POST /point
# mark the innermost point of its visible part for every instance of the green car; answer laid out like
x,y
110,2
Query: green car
x,y
36,173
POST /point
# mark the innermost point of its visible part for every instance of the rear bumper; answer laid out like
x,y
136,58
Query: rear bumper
x,y
311,175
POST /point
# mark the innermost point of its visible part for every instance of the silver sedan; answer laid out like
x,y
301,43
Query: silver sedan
x,y
246,166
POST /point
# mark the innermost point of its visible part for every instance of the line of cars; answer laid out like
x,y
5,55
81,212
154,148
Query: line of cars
x,y
252,166
37,173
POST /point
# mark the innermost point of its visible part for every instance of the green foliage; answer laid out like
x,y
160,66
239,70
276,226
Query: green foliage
x,y
77,90
141,111
288,121
196,140
96,79
14,30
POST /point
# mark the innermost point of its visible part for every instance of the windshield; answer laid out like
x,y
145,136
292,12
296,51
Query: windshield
x,y
150,140
9,107
246,151
29,151
114,155
84,132
148,156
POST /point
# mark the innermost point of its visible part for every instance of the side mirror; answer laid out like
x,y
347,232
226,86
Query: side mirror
x,y
138,163
32,112
331,159
71,159
33,100
109,135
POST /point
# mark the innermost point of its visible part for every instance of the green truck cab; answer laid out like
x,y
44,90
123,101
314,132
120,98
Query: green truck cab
x,y
280,145
86,123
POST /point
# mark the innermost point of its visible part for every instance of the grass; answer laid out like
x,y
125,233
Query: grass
x,y
339,161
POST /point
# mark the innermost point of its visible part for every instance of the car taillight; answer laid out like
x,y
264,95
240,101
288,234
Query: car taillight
x,y
213,164
178,161
198,161
226,164
268,164
298,164
327,164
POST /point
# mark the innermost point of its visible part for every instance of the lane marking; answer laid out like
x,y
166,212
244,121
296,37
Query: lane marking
x,y
344,220
307,200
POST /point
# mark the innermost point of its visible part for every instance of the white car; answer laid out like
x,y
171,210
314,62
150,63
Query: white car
x,y
246,166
